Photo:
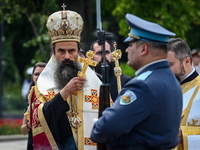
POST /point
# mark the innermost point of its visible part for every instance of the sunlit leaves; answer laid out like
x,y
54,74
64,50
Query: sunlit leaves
x,y
173,15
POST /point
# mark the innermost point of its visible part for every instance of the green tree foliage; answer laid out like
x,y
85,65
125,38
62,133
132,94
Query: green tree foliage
x,y
25,29
181,17
126,69
176,16
25,37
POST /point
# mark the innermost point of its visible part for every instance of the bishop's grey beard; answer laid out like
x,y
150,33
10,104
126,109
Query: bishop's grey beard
x,y
65,71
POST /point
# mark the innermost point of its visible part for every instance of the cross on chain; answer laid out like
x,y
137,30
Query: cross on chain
x,y
63,6
87,61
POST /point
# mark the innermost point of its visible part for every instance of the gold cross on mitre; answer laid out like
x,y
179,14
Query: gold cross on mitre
x,y
116,55
87,61
63,6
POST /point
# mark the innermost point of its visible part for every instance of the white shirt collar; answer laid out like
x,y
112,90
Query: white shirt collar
x,y
193,70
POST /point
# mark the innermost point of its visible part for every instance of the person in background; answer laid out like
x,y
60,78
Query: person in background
x,y
180,60
26,127
196,59
146,114
98,57
82,51
26,84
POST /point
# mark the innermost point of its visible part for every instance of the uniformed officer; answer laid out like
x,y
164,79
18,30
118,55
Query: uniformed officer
x,y
146,115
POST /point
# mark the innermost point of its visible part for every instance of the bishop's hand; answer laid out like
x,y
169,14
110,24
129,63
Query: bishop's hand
x,y
73,86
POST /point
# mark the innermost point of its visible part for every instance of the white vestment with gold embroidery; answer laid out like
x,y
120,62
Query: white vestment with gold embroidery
x,y
190,123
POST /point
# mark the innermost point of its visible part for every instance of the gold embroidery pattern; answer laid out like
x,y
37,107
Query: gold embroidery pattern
x,y
193,123
51,94
190,130
36,125
36,121
45,128
93,98
185,87
88,141
64,34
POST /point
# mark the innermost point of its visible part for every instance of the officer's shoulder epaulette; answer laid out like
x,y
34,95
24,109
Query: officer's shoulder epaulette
x,y
144,75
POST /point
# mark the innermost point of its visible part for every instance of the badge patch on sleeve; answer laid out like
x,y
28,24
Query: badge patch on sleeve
x,y
128,97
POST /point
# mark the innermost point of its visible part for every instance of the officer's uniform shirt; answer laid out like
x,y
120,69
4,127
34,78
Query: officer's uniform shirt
x,y
146,113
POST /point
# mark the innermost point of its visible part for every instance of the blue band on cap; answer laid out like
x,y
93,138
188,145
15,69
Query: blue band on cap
x,y
148,36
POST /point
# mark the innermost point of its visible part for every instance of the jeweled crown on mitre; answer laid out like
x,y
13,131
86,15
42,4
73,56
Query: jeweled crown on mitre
x,y
65,25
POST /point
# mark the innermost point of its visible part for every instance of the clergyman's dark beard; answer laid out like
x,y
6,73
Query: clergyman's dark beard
x,y
65,71
110,70
180,77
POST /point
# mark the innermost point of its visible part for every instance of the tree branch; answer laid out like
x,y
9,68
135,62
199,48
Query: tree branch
x,y
35,31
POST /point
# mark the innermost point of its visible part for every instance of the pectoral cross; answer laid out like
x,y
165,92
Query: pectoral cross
x,y
87,61
116,55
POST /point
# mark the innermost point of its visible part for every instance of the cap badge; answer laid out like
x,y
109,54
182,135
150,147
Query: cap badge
x,y
136,37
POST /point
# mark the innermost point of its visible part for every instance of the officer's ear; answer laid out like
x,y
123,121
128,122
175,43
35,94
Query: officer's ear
x,y
144,49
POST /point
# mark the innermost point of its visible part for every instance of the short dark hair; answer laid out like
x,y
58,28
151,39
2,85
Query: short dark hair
x,y
152,45
180,48
97,41
38,64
